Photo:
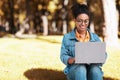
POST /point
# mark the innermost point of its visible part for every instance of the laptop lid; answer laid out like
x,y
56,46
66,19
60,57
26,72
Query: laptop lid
x,y
90,52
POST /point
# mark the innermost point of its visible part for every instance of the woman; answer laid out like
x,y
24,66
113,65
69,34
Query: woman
x,y
80,33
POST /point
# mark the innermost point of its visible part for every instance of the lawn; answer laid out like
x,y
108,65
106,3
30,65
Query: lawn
x,y
38,59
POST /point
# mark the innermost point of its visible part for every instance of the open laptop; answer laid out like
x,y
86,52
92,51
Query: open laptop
x,y
90,52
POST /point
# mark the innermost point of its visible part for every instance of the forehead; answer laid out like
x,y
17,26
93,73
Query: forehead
x,y
82,16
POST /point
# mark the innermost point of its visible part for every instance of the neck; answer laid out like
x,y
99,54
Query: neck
x,y
82,32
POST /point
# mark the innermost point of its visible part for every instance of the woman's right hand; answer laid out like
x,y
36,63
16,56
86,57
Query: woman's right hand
x,y
71,60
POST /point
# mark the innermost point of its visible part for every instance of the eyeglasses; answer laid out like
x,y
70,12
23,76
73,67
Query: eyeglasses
x,y
80,21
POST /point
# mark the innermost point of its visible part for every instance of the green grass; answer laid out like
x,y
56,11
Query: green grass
x,y
38,59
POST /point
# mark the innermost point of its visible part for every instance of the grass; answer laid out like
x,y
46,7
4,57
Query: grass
x,y
112,65
38,59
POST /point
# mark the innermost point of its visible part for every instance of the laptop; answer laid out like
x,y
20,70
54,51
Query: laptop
x,y
90,52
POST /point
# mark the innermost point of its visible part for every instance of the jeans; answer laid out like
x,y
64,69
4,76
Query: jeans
x,y
85,72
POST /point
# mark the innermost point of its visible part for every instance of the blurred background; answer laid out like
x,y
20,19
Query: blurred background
x,y
31,32
52,17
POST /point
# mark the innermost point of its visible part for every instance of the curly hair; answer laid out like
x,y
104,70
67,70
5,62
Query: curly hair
x,y
79,9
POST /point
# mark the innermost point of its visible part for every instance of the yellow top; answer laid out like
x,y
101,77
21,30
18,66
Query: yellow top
x,y
86,39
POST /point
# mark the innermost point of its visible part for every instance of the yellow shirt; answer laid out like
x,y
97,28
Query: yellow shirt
x,y
86,39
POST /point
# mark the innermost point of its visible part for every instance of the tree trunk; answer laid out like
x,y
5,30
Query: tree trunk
x,y
12,26
45,25
27,8
111,23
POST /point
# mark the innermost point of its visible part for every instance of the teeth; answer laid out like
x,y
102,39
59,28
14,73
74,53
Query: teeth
x,y
82,27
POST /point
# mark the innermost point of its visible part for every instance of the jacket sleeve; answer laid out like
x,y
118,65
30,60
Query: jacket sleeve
x,y
96,37
64,51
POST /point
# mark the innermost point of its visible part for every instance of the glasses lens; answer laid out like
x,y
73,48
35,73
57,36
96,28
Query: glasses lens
x,y
81,21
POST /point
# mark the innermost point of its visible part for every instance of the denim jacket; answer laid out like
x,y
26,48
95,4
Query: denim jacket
x,y
68,47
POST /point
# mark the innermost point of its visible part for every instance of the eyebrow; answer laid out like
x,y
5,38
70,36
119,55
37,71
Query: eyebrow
x,y
82,19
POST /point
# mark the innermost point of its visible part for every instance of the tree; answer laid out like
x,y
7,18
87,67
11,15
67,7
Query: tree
x,y
11,20
96,12
111,23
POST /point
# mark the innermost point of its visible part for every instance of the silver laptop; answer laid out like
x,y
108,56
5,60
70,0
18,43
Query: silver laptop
x,y
90,52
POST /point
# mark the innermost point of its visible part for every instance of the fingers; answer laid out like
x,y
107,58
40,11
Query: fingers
x,y
71,60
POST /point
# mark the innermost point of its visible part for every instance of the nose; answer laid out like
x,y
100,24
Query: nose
x,y
83,23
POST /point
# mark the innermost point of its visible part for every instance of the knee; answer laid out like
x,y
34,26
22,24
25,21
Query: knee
x,y
78,72
95,70
81,69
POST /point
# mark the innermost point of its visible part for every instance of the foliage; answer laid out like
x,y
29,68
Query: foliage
x,y
16,11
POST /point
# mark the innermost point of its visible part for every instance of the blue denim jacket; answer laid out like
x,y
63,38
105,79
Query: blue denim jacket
x,y
68,47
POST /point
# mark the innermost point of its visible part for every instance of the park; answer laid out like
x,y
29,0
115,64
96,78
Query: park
x,y
31,33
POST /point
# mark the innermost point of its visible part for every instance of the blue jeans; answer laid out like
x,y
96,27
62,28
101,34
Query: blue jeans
x,y
85,72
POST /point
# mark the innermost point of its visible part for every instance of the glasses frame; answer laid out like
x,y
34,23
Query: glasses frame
x,y
80,21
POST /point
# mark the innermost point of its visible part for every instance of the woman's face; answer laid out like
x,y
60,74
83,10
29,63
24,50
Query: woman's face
x,y
82,22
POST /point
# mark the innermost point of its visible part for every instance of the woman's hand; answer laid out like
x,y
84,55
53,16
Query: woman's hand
x,y
71,60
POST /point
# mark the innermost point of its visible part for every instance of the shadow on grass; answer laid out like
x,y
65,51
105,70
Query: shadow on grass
x,y
45,74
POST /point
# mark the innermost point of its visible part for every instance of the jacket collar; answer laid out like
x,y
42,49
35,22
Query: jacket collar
x,y
73,36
